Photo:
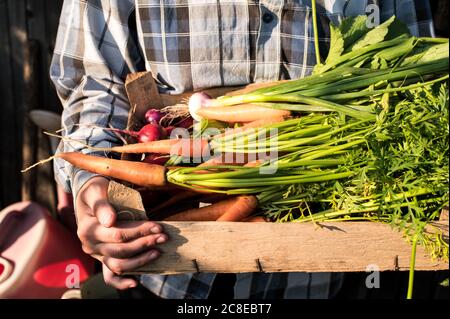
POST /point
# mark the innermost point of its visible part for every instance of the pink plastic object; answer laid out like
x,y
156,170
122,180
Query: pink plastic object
x,y
39,258
65,210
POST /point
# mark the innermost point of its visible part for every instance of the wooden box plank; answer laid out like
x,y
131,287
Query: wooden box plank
x,y
228,247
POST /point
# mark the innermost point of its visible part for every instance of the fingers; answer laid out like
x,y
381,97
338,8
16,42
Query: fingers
x,y
89,230
130,249
94,195
117,282
121,246
120,266
104,212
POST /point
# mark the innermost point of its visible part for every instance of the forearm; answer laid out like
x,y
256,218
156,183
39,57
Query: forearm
x,y
88,69
92,107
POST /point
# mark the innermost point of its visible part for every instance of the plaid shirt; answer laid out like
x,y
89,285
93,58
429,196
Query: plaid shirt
x,y
190,45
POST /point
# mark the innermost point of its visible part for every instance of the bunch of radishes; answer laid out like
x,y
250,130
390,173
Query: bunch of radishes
x,y
154,130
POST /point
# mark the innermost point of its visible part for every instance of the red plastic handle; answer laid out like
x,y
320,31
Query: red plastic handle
x,y
6,269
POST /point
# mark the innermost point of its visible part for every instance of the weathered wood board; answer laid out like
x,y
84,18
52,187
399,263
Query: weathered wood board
x,y
272,247
248,247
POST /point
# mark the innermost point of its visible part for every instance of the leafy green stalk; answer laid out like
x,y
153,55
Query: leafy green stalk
x,y
316,31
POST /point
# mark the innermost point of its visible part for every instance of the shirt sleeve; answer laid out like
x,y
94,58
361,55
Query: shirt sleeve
x,y
95,50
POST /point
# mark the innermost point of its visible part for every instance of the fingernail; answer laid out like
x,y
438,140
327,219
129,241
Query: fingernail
x,y
105,219
156,229
153,254
161,240
132,286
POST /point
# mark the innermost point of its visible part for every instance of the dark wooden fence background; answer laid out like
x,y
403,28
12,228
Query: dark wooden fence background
x,y
27,35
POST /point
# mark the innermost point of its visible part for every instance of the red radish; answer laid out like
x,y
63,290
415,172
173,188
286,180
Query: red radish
x,y
153,116
155,159
197,101
149,133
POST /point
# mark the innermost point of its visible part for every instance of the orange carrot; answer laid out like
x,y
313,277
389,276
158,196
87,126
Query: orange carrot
x,y
241,208
207,213
240,113
182,147
138,173
250,126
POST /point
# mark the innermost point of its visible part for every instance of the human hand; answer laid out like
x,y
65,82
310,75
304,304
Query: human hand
x,y
121,246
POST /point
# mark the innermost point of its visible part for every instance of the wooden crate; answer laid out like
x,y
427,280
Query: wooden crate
x,y
266,247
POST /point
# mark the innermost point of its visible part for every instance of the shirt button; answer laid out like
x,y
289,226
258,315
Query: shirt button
x,y
268,17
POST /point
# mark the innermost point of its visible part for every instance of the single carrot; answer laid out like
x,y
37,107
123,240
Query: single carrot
x,y
181,147
240,113
250,126
240,209
207,213
138,173
263,122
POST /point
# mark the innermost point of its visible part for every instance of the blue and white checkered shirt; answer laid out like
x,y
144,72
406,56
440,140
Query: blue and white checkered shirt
x,y
190,45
